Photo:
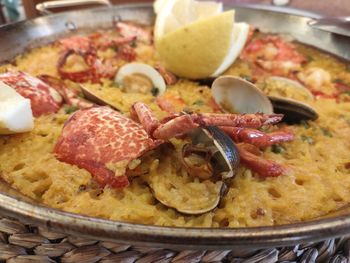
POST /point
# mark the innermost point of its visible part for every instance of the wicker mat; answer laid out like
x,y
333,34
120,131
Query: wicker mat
x,y
25,243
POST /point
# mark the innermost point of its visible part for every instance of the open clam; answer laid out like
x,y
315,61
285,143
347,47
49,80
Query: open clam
x,y
237,95
185,189
277,94
132,78
290,98
140,78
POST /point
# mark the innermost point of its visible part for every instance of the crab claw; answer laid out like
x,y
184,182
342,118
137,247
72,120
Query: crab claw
x,y
250,157
256,137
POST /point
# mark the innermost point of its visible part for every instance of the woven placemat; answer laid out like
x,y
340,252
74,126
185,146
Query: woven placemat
x,y
25,243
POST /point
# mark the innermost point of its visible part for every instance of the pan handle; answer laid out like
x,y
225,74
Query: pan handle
x,y
44,8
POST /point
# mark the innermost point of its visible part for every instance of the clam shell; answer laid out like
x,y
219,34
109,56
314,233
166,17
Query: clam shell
x,y
293,110
292,84
236,95
175,191
143,69
178,193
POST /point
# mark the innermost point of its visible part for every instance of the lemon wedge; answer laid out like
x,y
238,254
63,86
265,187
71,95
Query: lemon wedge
x,y
174,14
15,112
196,39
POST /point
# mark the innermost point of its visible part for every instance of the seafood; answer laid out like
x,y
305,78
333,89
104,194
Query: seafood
x,y
94,137
130,29
82,53
318,81
220,154
169,77
211,155
290,98
109,145
274,55
92,70
173,170
44,99
238,95
141,78
46,93
70,96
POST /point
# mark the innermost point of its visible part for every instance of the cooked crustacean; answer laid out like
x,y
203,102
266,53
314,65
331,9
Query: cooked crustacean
x,y
144,129
46,93
109,145
238,95
81,61
273,55
44,99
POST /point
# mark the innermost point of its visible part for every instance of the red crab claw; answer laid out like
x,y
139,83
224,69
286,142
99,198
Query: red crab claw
x,y
256,137
180,124
187,122
44,99
99,138
238,120
141,113
250,157
70,96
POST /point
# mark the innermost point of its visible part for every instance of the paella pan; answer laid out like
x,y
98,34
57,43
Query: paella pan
x,y
192,107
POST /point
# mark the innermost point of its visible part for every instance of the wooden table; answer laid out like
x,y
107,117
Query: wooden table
x,y
326,7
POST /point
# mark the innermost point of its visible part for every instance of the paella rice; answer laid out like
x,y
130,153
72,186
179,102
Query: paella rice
x,y
317,181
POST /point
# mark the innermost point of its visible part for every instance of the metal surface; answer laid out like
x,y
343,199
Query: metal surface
x,y
45,7
16,38
338,25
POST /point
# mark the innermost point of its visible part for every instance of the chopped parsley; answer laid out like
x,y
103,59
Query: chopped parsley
x,y
277,149
307,139
70,109
326,132
305,124
198,103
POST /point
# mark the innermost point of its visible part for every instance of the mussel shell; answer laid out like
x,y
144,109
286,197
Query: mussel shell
x,y
294,111
226,157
